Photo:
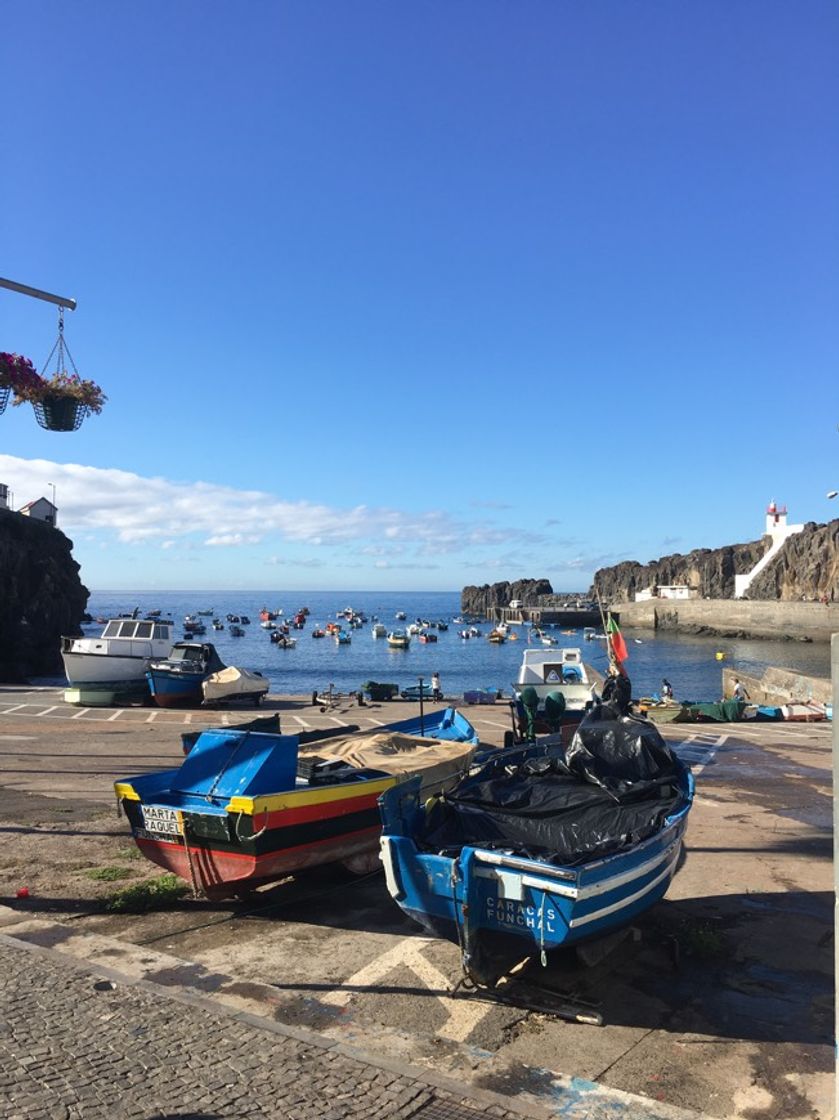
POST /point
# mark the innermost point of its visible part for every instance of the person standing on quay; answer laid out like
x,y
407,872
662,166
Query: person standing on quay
x,y
739,692
436,693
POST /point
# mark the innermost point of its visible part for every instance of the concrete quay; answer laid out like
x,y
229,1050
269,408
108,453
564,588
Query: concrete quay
x,y
797,621
324,1000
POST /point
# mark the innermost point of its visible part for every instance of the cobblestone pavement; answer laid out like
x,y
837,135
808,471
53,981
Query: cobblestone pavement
x,y
74,1046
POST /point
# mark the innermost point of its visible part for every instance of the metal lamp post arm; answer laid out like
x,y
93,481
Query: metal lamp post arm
x,y
38,293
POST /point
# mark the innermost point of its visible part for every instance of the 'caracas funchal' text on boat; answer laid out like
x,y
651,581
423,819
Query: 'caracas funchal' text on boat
x,y
247,807
543,846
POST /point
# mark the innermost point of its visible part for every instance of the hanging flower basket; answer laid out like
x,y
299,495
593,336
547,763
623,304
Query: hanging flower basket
x,y
60,413
17,374
62,401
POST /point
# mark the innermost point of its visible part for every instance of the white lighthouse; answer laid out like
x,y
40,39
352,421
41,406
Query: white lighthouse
x,y
778,531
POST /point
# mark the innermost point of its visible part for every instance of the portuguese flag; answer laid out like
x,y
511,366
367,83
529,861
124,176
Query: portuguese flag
x,y
616,640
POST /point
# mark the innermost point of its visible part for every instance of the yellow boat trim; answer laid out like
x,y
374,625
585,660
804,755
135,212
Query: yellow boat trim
x,y
125,791
299,798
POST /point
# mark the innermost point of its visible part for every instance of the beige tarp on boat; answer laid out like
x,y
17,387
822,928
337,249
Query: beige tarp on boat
x,y
439,762
231,682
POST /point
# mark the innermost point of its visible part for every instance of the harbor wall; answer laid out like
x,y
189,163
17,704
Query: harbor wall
x,y
735,618
779,686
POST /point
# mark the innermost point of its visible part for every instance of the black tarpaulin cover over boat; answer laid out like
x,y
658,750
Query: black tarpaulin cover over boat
x,y
614,786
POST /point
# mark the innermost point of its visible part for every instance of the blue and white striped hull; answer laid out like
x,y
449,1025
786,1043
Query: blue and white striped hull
x,y
504,908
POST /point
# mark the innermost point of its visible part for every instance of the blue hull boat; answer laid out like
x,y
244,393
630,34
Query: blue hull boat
x,y
541,848
177,679
447,724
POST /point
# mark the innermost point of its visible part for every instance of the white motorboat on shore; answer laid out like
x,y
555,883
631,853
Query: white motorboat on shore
x,y
114,665
558,670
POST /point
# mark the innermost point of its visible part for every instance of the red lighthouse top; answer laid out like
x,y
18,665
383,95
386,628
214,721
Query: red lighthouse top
x,y
776,511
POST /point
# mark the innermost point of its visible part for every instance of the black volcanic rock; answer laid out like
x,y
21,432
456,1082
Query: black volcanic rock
x,y
42,596
807,567
482,600
709,571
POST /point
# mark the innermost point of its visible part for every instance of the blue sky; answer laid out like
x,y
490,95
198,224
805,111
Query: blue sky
x,y
416,295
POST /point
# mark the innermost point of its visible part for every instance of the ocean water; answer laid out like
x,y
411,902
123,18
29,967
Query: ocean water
x,y
688,662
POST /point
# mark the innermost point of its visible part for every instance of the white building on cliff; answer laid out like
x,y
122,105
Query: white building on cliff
x,y
40,510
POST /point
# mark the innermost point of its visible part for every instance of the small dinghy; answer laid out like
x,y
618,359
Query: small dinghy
x,y
231,683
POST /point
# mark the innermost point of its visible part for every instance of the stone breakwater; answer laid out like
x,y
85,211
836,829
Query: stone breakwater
x,y
779,686
735,618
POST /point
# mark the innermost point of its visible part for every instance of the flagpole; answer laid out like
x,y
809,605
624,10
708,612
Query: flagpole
x,y
609,648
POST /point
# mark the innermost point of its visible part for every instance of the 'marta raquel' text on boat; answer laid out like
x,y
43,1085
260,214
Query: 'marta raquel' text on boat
x,y
246,807
541,847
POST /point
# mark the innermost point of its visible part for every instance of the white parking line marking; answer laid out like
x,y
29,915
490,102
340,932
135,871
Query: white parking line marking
x,y
302,722
463,1016
79,715
14,708
151,717
116,715
47,711
699,750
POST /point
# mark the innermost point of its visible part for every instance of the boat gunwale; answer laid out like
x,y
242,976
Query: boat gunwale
x,y
582,892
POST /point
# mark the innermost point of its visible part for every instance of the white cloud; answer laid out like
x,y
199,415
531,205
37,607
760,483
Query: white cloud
x,y
127,507
234,539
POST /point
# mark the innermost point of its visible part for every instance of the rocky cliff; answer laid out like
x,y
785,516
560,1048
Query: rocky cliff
x,y
481,600
807,566
710,571
42,596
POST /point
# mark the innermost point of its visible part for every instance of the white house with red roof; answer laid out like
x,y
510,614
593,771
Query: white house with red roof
x,y
41,510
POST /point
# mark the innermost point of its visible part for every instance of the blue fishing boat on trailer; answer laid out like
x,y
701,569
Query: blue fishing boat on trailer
x,y
543,846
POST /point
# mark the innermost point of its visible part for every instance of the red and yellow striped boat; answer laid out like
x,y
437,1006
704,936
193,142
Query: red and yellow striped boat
x,y
246,808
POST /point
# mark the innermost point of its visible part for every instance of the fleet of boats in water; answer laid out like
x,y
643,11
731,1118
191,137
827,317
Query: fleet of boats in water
x,y
135,657
568,832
